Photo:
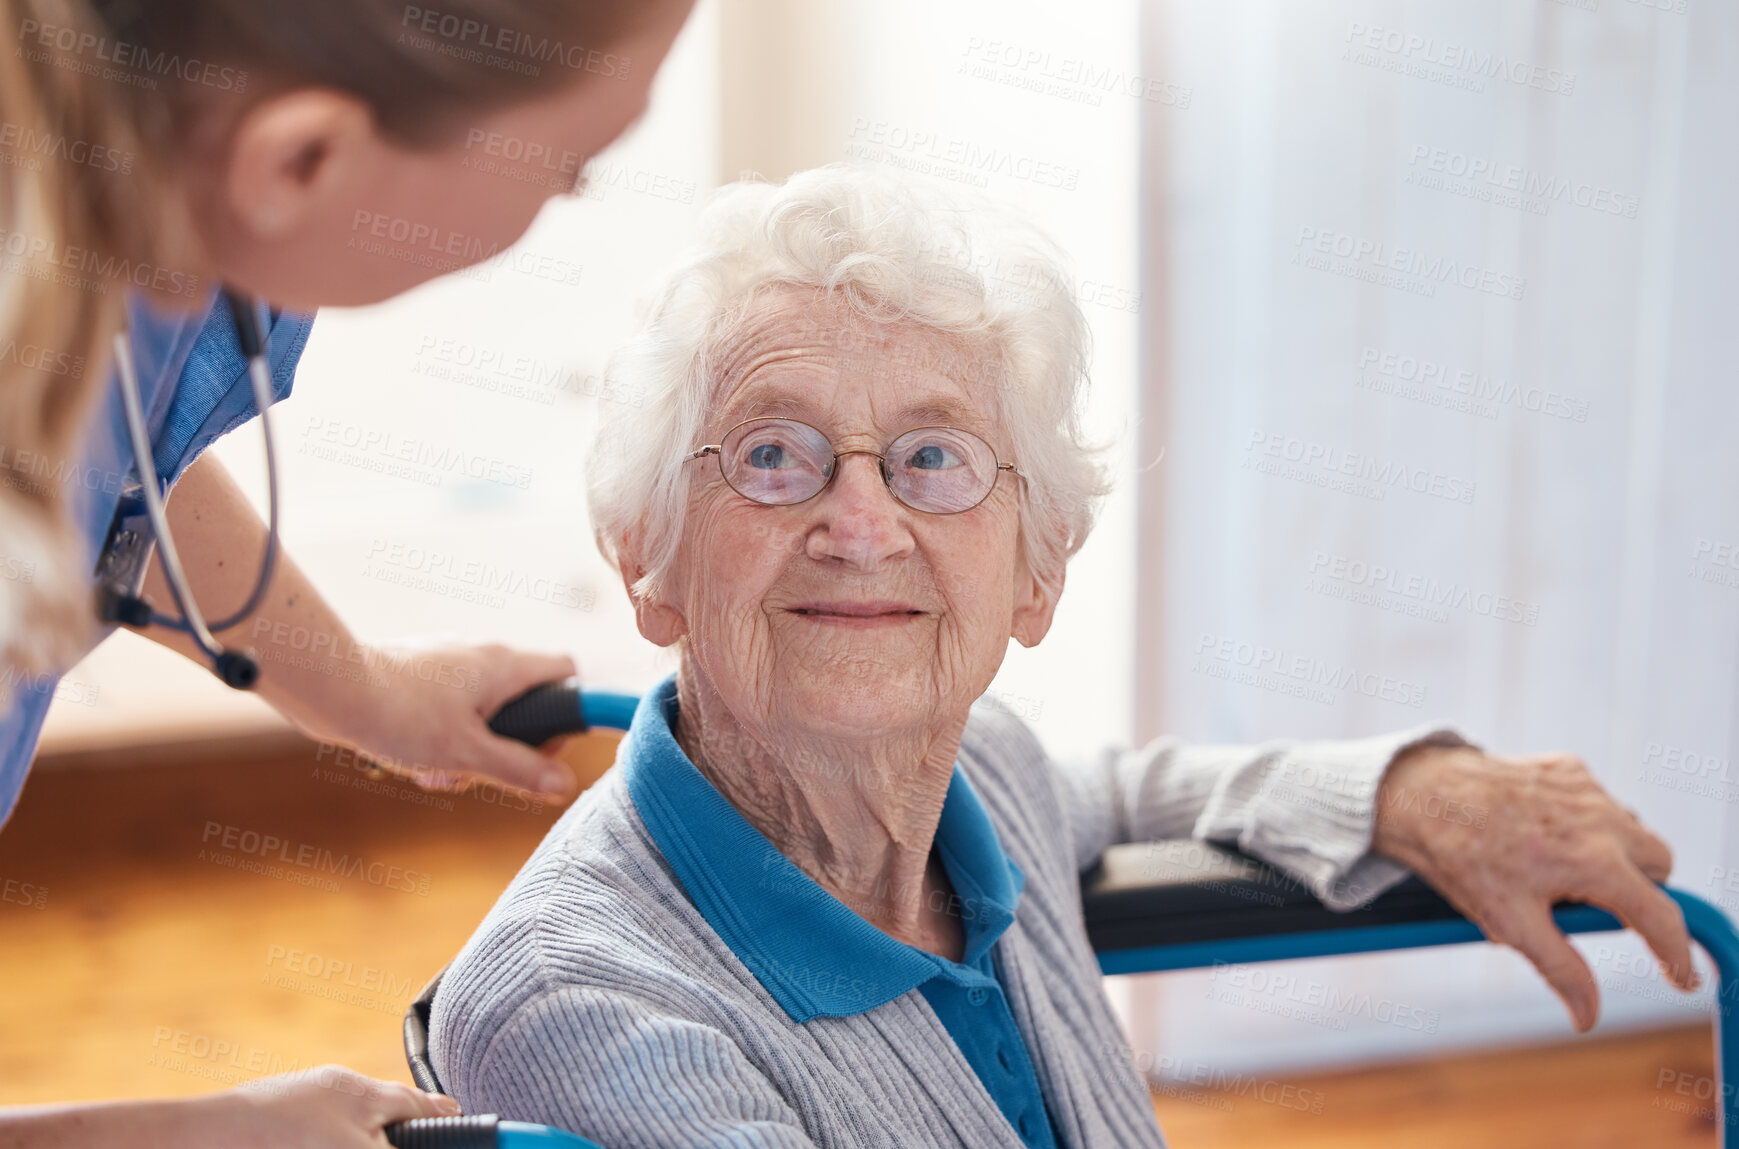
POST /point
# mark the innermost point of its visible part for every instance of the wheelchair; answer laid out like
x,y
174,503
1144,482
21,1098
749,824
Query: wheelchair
x,y
1149,907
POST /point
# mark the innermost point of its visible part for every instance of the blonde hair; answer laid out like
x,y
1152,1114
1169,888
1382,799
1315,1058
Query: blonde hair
x,y
67,94
56,329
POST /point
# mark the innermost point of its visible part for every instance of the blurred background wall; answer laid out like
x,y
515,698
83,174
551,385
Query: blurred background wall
x,y
1412,326
1445,371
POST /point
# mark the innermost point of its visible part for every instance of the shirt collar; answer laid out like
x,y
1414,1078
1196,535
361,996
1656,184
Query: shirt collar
x,y
814,955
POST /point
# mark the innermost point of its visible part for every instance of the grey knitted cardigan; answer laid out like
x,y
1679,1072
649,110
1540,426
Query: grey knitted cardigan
x,y
594,996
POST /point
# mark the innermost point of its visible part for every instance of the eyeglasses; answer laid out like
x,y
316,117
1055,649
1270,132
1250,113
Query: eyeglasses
x,y
938,470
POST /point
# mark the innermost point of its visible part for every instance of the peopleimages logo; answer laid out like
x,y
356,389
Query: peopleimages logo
x,y
1323,464
244,849
426,568
24,141
373,225
1479,393
1427,592
1287,993
113,58
1689,772
1527,185
939,153
422,460
1082,81
37,358
1444,61
67,690
1299,674
497,45
64,262
336,971
1166,1072
1380,262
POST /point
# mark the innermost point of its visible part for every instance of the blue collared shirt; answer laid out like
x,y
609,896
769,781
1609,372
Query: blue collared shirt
x,y
813,954
194,388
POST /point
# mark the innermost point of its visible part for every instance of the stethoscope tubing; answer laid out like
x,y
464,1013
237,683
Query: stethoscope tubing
x,y
191,620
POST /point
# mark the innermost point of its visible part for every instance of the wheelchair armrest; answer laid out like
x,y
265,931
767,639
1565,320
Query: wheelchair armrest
x,y
1183,891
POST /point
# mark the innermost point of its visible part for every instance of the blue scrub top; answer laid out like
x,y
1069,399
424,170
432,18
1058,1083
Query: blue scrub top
x,y
811,952
193,385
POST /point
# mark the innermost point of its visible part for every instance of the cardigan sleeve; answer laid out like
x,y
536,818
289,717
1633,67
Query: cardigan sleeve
x,y
619,1070
1307,807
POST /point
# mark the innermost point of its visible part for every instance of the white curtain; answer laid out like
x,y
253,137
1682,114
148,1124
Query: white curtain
x,y
1441,319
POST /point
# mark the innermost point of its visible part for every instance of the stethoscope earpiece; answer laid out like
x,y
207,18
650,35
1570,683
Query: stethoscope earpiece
x,y
237,670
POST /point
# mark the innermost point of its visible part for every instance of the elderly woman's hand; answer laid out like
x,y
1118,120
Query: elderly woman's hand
x,y
1505,838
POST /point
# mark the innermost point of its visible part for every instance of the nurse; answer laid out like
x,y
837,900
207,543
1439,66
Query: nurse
x,y
154,152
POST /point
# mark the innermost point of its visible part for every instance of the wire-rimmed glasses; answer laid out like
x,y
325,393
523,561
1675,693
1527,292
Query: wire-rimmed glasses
x,y
779,462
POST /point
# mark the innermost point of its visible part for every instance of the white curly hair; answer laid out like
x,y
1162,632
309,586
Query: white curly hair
x,y
892,253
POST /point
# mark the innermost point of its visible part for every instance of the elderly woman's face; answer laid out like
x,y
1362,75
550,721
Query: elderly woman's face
x,y
850,614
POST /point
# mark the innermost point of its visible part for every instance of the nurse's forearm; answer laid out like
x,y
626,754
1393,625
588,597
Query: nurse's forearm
x,y
304,649
419,711
331,1107
102,1125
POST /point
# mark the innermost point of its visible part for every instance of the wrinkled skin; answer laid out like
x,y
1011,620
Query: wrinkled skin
x,y
1549,834
809,723
836,739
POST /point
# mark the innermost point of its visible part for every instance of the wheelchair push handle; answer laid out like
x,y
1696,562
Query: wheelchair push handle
x,y
445,1133
486,1131
557,708
541,713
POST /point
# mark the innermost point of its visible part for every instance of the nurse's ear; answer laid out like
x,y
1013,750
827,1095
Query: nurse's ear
x,y
289,155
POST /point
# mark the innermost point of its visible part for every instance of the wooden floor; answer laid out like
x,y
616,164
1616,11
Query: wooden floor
x,y
170,930
1595,1093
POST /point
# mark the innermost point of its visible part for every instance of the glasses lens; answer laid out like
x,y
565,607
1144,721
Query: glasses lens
x,y
776,461
941,469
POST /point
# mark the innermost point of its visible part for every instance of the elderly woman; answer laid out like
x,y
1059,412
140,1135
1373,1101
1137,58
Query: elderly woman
x,y
828,895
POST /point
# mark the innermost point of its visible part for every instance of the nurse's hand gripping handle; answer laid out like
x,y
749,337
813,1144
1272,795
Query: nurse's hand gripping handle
x,y
541,713
557,708
486,1132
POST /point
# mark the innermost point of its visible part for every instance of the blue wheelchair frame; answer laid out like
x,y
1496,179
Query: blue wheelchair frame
x,y
1149,907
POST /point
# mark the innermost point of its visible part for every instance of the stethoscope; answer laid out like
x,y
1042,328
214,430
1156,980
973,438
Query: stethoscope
x,y
127,552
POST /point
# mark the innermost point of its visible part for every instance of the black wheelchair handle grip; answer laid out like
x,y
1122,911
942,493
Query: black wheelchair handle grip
x,y
542,713
476,1132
